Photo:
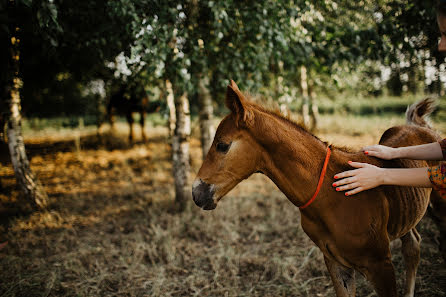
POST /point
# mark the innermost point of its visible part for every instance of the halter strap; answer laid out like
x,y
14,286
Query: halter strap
x,y
321,179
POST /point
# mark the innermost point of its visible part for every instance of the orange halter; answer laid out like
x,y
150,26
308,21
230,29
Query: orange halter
x,y
321,179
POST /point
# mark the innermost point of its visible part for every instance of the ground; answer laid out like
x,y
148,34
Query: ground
x,y
109,229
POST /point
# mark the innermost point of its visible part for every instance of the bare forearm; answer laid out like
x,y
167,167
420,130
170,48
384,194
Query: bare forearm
x,y
416,177
429,151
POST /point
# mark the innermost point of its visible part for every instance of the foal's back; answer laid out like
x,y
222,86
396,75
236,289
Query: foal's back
x,y
407,205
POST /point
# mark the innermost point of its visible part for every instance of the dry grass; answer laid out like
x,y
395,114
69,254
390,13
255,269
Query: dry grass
x,y
108,230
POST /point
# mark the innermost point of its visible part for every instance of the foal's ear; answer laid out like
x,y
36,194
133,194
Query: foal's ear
x,y
234,98
239,106
234,85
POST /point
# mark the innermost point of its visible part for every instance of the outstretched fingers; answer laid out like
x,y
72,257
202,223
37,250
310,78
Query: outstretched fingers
x,y
350,172
379,151
358,164
345,181
345,174
355,191
348,187
348,184
353,180
373,152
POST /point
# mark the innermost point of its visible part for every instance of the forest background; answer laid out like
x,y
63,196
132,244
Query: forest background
x,y
344,69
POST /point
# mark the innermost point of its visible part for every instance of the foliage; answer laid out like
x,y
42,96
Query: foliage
x,y
343,44
184,41
63,40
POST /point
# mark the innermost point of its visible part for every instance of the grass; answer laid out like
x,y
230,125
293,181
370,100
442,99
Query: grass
x,y
108,230
369,106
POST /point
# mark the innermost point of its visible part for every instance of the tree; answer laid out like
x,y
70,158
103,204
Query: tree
x,y
11,84
48,35
198,46
363,36
180,151
410,44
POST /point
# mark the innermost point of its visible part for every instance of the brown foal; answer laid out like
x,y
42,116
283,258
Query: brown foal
x,y
352,233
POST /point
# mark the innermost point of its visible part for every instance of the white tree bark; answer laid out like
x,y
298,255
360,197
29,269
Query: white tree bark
x,y
26,180
305,97
310,110
314,107
180,151
207,128
171,106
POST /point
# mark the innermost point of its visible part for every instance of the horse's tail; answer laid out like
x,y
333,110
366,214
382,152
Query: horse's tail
x,y
418,113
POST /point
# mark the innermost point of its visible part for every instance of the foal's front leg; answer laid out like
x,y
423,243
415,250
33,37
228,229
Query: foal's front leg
x,y
142,124
129,118
343,278
381,274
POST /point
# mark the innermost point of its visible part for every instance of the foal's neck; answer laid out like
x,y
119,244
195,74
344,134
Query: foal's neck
x,y
294,157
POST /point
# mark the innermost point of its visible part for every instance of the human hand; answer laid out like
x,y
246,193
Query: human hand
x,y
366,177
380,151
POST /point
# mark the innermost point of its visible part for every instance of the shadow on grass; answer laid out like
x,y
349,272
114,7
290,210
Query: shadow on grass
x,y
107,171
108,232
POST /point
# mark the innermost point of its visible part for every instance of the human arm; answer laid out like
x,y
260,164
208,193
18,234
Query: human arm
x,y
428,151
368,176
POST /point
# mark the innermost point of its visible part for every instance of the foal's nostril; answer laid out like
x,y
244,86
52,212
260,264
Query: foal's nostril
x,y
202,194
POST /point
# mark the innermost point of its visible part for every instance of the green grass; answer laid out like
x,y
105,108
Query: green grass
x,y
348,105
366,106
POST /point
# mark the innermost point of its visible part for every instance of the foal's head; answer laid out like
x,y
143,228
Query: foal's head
x,y
233,156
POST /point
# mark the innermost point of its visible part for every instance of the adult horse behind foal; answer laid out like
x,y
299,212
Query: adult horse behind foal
x,y
126,100
352,233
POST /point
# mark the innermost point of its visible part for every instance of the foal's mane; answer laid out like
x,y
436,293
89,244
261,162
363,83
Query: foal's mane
x,y
279,116
290,122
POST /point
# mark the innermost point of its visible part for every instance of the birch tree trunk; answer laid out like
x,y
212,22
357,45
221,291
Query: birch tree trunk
x,y
305,97
314,107
171,106
310,110
26,180
206,115
180,151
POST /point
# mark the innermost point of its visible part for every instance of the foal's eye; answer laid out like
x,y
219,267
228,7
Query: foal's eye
x,y
223,147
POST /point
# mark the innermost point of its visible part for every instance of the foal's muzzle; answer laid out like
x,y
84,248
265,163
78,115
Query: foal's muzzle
x,y
203,195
